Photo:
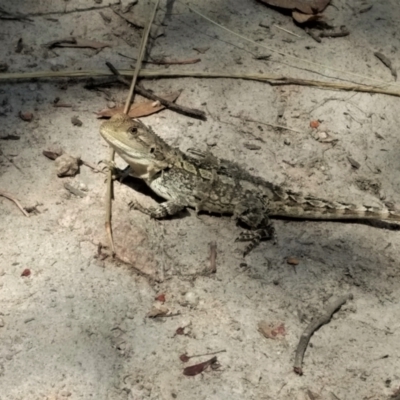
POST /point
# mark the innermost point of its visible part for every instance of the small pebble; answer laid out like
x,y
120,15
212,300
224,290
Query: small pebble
x,y
66,165
83,187
191,299
322,135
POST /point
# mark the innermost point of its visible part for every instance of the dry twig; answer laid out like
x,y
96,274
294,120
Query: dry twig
x,y
267,78
126,110
316,323
13,199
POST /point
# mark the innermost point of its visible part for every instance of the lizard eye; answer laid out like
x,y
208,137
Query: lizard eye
x,y
152,150
132,129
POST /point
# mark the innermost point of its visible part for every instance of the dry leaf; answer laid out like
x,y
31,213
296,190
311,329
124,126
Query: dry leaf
x,y
161,298
292,261
26,116
199,368
305,6
138,110
180,331
184,357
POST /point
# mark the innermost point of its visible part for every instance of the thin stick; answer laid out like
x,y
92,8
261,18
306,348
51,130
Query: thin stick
x,y
129,99
268,78
109,195
287,31
13,199
332,307
267,124
138,65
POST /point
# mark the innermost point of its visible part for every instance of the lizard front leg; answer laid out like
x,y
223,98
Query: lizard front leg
x,y
170,207
255,236
253,213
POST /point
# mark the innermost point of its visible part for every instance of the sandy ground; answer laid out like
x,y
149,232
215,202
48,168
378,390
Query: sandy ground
x,y
78,327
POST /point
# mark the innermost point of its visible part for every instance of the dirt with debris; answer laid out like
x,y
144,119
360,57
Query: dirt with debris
x,y
76,324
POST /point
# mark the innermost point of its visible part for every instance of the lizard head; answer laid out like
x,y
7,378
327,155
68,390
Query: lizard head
x,y
137,144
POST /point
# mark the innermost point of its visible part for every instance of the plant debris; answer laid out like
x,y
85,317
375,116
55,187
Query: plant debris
x,y
302,11
315,324
76,42
138,110
199,368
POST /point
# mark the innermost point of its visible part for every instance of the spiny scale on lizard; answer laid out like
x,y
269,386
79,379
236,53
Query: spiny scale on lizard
x,y
217,185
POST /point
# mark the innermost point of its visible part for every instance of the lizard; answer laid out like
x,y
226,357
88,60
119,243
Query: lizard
x,y
218,185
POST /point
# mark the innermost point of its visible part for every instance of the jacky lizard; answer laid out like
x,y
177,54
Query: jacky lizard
x,y
218,186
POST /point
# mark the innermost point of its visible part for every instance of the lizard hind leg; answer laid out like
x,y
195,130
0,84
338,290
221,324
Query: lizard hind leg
x,y
163,210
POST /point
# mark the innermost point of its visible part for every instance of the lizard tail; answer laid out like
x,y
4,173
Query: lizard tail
x,y
295,205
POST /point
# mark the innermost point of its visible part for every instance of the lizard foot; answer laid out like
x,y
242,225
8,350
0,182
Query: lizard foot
x,y
255,237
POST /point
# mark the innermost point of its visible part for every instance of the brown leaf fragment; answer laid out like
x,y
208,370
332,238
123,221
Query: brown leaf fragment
x,y
161,298
142,109
301,18
199,368
305,6
292,261
180,331
184,357
271,331
158,311
26,272
26,116
314,124
355,164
